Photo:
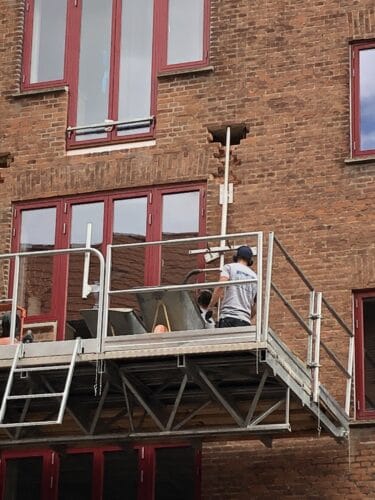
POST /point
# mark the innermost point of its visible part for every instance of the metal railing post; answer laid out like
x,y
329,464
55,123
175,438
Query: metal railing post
x,y
13,315
267,292
316,364
259,285
107,283
349,380
311,328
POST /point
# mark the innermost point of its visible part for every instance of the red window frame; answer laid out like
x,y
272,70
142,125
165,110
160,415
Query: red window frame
x,y
48,486
27,48
71,65
114,78
146,468
357,151
62,237
362,412
164,66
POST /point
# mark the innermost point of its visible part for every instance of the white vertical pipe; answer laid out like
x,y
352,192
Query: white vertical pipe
x,y
317,346
224,210
13,315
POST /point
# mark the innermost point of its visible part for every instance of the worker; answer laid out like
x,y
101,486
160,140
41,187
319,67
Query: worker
x,y
237,301
204,299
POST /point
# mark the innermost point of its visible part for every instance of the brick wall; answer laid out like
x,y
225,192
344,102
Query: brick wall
x,y
313,468
282,68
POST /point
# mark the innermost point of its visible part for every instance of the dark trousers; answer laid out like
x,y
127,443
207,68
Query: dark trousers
x,y
232,322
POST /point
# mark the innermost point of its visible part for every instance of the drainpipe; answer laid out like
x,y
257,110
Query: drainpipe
x,y
224,210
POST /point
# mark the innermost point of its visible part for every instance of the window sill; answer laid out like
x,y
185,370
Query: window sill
x,y
49,90
186,71
360,159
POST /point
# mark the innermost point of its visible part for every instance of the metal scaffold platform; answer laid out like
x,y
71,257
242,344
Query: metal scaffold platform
x,y
187,383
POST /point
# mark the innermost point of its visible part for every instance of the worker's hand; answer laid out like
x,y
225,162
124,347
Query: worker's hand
x,y
208,315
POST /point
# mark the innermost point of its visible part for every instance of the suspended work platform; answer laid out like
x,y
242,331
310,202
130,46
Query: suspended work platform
x,y
241,382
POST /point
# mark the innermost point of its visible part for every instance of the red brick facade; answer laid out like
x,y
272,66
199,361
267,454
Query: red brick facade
x,y
283,68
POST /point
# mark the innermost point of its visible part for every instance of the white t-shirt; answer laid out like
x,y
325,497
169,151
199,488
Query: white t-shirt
x,y
238,299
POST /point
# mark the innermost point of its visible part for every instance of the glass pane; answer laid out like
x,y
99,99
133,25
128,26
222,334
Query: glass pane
x,y
367,97
136,62
23,479
75,477
36,273
175,474
83,214
180,220
120,475
369,348
129,226
185,31
48,43
94,64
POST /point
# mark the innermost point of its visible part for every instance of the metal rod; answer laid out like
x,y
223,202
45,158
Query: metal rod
x,y
13,314
224,210
143,403
36,396
86,289
292,310
8,386
111,123
68,408
99,409
77,347
318,314
232,412
107,284
311,327
25,409
294,265
337,317
335,359
266,414
267,292
256,397
197,239
127,402
287,406
350,378
177,403
152,435
187,286
259,286
191,415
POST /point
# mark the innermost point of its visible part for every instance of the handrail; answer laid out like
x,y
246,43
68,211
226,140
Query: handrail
x,y
311,287
313,328
64,251
188,286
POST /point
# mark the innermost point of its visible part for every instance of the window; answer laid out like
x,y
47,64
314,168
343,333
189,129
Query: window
x,y
365,352
50,287
111,71
24,475
109,473
363,99
186,33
